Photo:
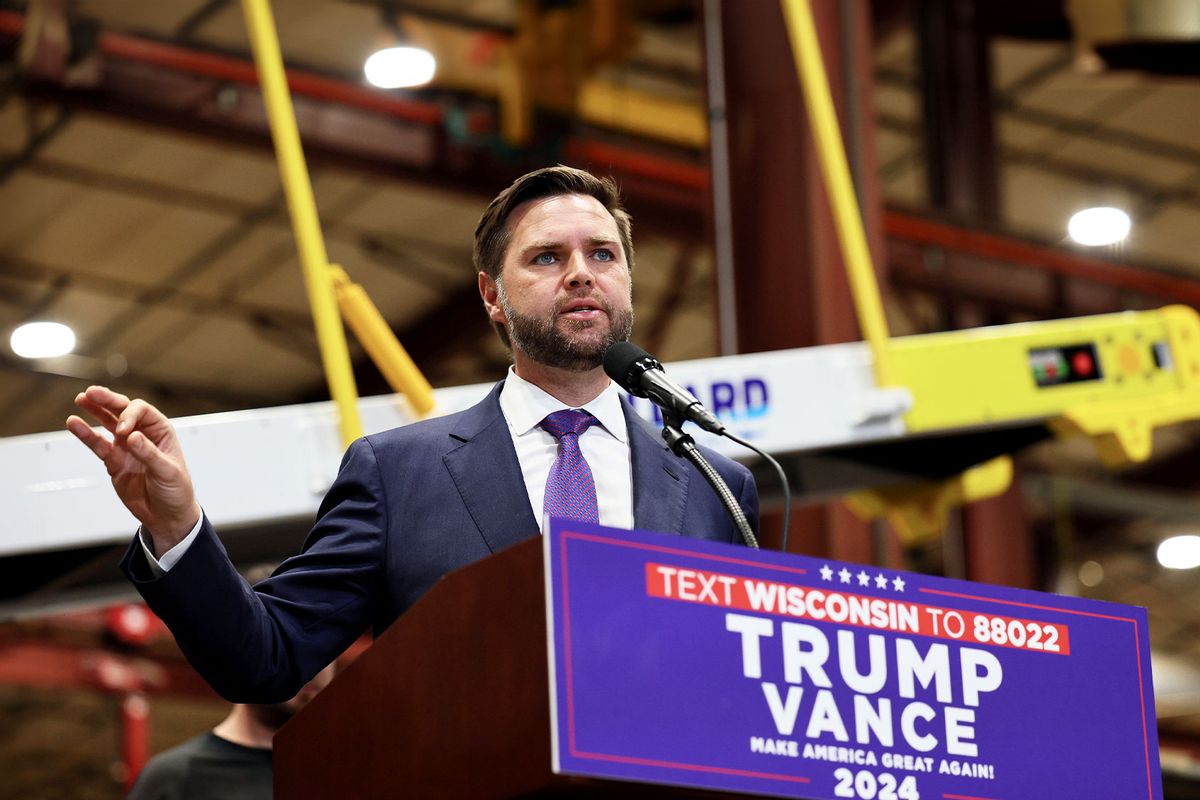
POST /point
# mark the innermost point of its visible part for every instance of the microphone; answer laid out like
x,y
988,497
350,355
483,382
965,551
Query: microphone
x,y
640,374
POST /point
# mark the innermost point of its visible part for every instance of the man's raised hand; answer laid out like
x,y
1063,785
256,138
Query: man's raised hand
x,y
143,459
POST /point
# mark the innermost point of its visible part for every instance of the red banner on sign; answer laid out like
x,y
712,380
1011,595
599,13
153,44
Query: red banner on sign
x,y
843,608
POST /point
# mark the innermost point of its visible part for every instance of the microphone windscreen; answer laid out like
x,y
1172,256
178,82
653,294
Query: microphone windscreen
x,y
620,361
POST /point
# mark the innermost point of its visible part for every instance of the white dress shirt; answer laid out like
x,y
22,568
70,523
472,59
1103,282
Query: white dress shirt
x,y
605,446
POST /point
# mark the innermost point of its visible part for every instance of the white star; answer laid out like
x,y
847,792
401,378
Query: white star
x,y
898,583
826,573
844,574
863,578
881,581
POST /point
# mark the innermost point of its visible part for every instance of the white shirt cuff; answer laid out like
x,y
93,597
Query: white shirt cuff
x,y
160,566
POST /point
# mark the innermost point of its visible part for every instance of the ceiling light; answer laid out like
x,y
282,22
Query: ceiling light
x,y
1099,226
1091,573
1180,552
42,340
398,67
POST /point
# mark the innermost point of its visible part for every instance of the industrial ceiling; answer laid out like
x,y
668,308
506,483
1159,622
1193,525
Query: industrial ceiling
x,y
140,203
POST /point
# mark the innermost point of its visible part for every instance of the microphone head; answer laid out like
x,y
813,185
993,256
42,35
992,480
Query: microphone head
x,y
625,363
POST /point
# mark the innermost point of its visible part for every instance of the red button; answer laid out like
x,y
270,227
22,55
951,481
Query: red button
x,y
1082,364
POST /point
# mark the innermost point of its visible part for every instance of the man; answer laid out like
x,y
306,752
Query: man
x,y
232,761
554,255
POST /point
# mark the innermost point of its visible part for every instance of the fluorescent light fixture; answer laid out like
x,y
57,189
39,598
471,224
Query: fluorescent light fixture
x,y
1099,226
399,67
42,340
1180,552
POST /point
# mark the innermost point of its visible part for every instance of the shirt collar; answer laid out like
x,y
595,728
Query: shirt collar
x,y
525,405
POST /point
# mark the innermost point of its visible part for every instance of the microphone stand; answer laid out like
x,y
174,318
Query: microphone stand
x,y
684,446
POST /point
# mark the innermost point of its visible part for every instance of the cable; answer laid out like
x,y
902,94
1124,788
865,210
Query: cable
x,y
787,491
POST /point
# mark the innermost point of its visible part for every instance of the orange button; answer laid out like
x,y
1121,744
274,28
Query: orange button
x,y
1130,359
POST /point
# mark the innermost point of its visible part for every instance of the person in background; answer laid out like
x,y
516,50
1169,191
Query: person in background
x,y
233,760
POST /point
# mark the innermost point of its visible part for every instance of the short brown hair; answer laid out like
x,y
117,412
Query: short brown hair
x,y
492,233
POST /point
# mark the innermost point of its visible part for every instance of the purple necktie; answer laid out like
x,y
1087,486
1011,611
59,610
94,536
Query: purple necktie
x,y
570,489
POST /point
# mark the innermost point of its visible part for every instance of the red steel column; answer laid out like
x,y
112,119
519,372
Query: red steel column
x,y
791,286
135,736
956,81
997,541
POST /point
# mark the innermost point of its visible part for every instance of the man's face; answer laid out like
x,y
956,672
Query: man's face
x,y
564,292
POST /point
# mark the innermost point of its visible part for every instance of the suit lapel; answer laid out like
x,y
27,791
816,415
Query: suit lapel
x,y
483,464
660,482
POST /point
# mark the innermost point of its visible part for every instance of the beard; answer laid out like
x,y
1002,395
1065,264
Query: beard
x,y
564,343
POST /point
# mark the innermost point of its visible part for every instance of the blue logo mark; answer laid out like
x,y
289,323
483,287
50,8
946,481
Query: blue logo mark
x,y
730,402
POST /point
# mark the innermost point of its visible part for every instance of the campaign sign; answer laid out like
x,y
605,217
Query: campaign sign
x,y
701,664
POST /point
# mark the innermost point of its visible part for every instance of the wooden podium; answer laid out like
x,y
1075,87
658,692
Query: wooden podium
x,y
652,683
452,701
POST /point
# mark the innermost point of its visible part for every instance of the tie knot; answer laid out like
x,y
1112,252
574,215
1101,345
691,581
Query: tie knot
x,y
567,421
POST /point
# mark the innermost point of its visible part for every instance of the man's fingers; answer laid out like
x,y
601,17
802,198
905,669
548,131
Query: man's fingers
x,y
139,431
103,397
97,412
94,441
141,416
145,451
136,415
121,416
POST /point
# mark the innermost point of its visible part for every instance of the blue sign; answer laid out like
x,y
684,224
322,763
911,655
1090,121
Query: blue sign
x,y
700,664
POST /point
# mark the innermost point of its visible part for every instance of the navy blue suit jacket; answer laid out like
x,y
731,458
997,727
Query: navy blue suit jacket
x,y
408,506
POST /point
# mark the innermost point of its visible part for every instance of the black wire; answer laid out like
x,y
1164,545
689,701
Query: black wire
x,y
787,490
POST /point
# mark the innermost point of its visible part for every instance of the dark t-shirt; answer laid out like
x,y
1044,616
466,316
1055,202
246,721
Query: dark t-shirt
x,y
206,768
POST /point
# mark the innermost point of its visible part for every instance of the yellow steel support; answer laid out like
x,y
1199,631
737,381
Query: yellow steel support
x,y
806,49
917,512
1144,372
381,344
681,122
1141,393
1136,371
331,337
